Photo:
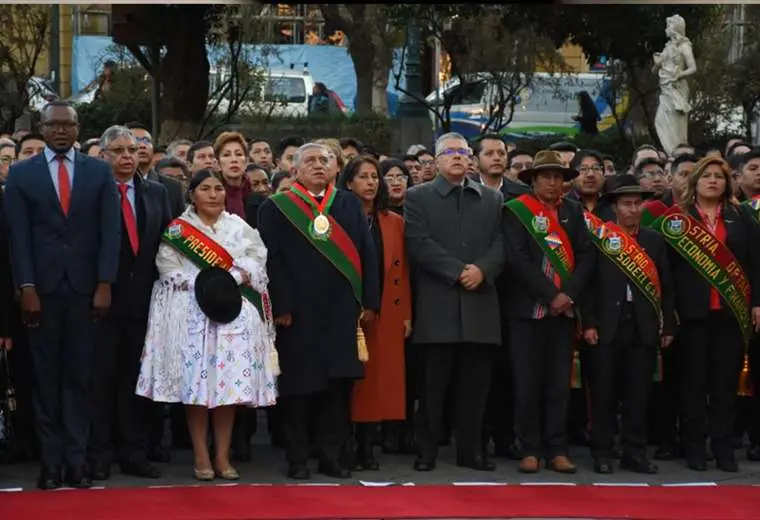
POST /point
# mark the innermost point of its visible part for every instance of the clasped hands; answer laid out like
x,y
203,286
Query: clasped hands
x,y
471,277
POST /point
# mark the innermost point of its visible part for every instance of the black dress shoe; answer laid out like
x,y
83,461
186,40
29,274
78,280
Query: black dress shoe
x,y
727,464
753,453
665,452
696,463
159,454
50,478
603,466
638,464
478,463
100,470
511,450
142,469
333,469
298,471
77,477
424,464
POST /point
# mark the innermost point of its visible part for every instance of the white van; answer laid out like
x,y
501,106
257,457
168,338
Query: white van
x,y
285,92
548,106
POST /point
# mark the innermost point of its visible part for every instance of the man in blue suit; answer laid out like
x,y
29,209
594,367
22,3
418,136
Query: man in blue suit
x,y
65,230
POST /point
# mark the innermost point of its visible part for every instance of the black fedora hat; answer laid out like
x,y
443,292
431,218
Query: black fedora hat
x,y
547,160
624,185
218,295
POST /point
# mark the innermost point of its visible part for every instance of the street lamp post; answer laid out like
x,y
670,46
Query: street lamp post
x,y
416,126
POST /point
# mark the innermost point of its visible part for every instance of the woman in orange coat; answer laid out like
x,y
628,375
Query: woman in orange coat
x,y
381,395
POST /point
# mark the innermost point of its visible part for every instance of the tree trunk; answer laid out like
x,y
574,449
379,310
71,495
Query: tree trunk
x,y
185,70
362,56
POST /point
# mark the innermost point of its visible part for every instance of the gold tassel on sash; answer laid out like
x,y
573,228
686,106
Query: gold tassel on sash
x,y
658,371
361,343
575,377
745,383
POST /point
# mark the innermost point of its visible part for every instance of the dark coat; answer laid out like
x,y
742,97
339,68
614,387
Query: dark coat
x,y
743,239
130,295
48,246
321,342
602,301
444,232
523,262
7,290
175,190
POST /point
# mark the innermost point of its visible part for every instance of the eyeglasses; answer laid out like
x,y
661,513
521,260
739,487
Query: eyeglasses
x,y
590,169
6,159
455,151
143,140
392,179
121,150
426,162
60,125
522,166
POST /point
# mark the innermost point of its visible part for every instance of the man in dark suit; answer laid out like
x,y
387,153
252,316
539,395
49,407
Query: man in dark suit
x,y
145,160
491,152
117,412
621,325
65,241
549,258
454,238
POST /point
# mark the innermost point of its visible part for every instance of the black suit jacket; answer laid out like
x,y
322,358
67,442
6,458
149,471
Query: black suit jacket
x,y
528,283
130,295
743,239
603,300
252,204
175,190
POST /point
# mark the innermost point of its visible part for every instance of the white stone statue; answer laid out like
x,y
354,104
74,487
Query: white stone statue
x,y
673,65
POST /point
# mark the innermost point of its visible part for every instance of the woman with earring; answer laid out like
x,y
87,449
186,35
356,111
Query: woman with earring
x,y
716,265
380,396
210,339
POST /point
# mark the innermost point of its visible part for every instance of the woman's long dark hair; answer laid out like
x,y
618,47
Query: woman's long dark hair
x,y
352,170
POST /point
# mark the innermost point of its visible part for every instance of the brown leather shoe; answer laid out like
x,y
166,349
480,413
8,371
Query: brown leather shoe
x,y
528,465
561,464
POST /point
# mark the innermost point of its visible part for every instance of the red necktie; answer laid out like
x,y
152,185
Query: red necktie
x,y
64,184
129,218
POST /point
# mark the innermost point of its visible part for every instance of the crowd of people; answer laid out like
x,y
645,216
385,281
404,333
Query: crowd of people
x,y
471,293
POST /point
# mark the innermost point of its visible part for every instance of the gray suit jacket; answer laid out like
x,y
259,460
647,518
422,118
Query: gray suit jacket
x,y
447,229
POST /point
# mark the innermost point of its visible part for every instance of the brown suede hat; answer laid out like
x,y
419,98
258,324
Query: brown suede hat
x,y
547,160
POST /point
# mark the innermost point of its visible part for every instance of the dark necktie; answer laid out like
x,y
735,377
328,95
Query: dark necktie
x,y
319,199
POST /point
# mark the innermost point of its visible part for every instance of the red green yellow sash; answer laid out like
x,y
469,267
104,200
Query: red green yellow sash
x,y
544,227
710,258
652,210
205,252
754,205
335,245
626,253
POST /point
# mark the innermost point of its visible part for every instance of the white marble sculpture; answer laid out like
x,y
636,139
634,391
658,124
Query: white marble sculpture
x,y
673,65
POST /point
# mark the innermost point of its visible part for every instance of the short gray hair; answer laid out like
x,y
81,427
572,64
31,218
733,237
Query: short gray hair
x,y
446,137
113,133
172,148
306,147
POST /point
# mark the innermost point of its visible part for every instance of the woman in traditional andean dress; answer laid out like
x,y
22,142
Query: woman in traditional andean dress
x,y
203,364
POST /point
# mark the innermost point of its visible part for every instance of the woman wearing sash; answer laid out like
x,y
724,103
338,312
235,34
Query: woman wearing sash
x,y
380,396
713,238
208,362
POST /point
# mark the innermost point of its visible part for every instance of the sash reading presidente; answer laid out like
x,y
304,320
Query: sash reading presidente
x,y
205,252
550,236
627,254
710,258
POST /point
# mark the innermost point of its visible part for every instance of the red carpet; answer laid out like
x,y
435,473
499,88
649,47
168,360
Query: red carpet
x,y
355,502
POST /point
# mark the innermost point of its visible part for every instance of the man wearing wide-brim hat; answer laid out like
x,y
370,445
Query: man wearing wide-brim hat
x,y
620,317
550,259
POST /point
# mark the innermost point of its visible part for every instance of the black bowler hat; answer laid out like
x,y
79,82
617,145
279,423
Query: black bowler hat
x,y
624,185
218,295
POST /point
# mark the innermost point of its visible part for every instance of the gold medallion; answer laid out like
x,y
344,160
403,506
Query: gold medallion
x,y
321,225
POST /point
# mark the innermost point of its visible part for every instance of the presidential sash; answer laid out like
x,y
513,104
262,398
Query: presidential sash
x,y
546,230
710,258
322,231
205,252
651,211
627,254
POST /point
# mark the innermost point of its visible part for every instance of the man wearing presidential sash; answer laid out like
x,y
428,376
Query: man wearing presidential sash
x,y
627,314
323,275
550,259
